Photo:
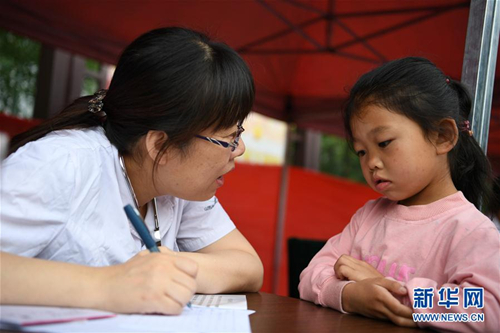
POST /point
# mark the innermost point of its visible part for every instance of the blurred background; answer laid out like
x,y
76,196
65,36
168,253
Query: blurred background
x,y
298,178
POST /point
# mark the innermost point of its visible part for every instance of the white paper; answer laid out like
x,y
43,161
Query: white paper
x,y
238,302
196,319
28,315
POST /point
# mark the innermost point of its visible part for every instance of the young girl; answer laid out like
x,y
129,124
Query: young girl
x,y
408,124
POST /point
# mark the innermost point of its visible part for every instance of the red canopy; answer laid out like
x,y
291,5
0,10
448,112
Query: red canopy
x,y
304,54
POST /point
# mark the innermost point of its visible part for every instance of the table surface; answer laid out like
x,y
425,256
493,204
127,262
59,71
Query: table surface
x,y
285,314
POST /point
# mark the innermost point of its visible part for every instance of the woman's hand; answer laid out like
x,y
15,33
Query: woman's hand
x,y
149,283
372,298
349,268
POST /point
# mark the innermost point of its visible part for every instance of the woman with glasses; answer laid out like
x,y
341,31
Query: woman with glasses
x,y
161,139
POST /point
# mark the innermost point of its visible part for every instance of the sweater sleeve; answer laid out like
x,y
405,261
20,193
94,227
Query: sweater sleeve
x,y
474,262
318,282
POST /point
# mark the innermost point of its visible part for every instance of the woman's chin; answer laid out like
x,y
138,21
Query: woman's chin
x,y
198,196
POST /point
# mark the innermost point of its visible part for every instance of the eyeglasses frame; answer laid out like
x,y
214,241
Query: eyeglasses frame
x,y
225,144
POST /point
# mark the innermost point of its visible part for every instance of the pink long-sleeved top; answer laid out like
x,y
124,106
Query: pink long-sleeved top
x,y
447,243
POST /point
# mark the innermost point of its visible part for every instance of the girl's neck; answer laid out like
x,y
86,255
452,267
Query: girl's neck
x,y
439,188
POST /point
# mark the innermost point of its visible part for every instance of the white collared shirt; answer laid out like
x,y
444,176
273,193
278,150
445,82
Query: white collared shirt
x,y
62,198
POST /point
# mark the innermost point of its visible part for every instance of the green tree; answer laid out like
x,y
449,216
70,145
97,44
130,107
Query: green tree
x,y
338,159
90,85
18,72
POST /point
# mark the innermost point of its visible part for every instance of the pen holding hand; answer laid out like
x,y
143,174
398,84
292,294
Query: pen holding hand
x,y
139,225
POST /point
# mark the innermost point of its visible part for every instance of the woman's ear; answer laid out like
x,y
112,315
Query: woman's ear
x,y
154,142
447,136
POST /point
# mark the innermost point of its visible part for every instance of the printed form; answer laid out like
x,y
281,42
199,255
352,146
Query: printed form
x,y
197,319
209,313
237,302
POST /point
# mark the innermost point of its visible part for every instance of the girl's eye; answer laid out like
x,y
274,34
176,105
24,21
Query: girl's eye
x,y
360,153
384,144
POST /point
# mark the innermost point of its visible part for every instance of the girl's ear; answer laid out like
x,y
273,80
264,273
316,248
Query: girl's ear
x,y
154,142
447,136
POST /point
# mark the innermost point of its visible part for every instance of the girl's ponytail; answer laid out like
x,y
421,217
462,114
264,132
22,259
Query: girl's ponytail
x,y
469,166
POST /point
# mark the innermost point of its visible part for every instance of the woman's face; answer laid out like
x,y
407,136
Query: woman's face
x,y
198,174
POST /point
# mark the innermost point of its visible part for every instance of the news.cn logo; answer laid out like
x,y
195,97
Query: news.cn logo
x,y
423,298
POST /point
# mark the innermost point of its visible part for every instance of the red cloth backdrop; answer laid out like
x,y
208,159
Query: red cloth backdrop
x,y
318,207
12,125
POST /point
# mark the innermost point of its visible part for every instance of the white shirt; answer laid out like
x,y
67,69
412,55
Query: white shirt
x,y
62,198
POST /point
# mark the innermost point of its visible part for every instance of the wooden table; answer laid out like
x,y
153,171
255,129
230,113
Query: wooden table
x,y
278,314
285,314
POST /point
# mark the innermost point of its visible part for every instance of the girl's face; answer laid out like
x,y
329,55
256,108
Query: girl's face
x,y
397,160
200,172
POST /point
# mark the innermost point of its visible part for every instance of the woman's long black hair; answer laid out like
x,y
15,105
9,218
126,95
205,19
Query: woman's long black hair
x,y
173,80
416,88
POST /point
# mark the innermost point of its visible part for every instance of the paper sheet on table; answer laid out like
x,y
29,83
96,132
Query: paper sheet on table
x,y
36,315
238,302
196,319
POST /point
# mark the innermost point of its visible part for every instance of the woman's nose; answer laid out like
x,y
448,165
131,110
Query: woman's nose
x,y
240,149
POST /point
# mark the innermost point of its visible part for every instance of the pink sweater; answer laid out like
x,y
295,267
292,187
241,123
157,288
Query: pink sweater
x,y
447,243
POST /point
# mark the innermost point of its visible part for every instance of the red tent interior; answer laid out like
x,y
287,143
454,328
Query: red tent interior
x,y
304,55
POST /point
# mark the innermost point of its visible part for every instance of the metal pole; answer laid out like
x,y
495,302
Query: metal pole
x,y
478,71
280,224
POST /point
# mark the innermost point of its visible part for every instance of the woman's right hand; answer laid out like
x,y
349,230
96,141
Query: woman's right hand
x,y
372,298
149,283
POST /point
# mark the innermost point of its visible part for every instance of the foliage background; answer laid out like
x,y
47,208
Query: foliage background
x,y
336,158
18,72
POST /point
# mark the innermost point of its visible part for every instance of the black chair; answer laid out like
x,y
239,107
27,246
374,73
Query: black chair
x,y
300,253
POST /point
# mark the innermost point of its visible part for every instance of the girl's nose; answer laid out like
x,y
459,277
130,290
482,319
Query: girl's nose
x,y
374,162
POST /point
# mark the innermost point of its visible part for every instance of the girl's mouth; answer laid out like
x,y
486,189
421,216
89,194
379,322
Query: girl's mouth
x,y
382,185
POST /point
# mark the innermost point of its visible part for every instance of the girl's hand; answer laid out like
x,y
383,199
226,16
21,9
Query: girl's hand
x,y
349,268
149,283
372,298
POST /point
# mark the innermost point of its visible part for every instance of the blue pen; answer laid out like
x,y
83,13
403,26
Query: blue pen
x,y
136,220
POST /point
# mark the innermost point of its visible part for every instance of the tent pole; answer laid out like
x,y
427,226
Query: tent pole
x,y
478,71
280,225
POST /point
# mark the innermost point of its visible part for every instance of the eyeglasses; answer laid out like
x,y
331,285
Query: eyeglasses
x,y
225,144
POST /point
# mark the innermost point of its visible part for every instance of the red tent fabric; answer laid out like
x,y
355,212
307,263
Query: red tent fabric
x,y
12,125
304,54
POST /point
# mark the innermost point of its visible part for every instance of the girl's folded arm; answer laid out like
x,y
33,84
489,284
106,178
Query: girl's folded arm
x,y
471,264
318,282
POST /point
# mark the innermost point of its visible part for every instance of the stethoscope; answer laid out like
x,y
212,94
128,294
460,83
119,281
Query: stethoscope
x,y
156,233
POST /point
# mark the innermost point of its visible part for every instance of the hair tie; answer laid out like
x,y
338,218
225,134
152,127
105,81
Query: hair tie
x,y
447,80
95,105
465,127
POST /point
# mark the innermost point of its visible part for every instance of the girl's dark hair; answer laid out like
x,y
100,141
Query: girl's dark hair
x,y
416,88
493,208
173,80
